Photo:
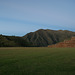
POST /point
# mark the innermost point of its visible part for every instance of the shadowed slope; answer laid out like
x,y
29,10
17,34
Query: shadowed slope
x,y
12,41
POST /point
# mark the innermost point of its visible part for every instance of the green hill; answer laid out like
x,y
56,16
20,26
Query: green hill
x,y
13,41
47,37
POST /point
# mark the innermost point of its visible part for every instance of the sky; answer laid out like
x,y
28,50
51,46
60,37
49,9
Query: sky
x,y
19,17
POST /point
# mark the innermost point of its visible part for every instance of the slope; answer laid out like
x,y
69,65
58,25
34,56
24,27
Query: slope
x,y
12,41
42,38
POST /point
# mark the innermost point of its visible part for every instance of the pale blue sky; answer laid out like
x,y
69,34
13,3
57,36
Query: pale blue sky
x,y
18,17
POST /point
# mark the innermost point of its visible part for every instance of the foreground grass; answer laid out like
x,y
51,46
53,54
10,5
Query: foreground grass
x,y
37,61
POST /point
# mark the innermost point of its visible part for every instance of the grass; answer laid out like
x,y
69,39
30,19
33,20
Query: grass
x,y
37,61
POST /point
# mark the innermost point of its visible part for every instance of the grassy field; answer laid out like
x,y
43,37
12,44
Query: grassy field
x,y
37,61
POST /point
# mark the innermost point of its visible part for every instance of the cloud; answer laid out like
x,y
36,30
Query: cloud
x,y
41,13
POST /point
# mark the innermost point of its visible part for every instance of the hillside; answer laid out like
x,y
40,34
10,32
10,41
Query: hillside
x,y
47,37
66,43
12,41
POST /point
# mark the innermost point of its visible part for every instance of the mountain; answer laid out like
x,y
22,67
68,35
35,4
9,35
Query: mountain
x,y
43,38
13,41
39,38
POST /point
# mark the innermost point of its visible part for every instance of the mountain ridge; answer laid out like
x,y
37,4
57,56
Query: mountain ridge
x,y
45,37
39,38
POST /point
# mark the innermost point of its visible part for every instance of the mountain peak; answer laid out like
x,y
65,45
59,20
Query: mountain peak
x,y
45,37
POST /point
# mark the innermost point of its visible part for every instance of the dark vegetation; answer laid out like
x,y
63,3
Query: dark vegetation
x,y
48,37
13,41
40,38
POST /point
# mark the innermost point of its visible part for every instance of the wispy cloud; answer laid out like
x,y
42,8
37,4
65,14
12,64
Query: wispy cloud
x,y
41,13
